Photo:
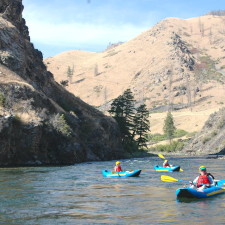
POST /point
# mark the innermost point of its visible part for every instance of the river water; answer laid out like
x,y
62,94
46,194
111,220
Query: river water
x,y
79,194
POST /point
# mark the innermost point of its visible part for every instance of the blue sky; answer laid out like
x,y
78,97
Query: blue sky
x,y
60,25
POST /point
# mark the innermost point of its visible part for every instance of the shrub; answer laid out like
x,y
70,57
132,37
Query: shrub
x,y
60,124
206,139
162,137
2,100
173,147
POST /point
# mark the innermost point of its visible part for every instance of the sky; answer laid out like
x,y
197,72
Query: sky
x,y
91,25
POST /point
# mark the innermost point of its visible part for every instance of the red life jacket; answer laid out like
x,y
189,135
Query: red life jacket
x,y
203,179
166,165
118,169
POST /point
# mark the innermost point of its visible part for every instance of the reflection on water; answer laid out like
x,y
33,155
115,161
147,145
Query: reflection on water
x,y
81,195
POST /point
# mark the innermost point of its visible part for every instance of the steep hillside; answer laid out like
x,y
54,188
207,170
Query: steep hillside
x,y
211,139
40,122
177,63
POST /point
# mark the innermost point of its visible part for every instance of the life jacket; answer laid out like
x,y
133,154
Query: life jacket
x,y
118,169
166,165
203,179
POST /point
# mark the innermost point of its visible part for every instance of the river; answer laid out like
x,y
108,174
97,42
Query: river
x,y
79,194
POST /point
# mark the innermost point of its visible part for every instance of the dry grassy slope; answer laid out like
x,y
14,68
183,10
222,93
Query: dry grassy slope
x,y
155,67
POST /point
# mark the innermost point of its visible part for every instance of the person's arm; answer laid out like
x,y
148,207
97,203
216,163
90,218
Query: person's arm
x,y
211,180
195,180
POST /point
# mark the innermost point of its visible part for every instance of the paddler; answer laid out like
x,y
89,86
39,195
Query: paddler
x,y
204,180
118,168
166,164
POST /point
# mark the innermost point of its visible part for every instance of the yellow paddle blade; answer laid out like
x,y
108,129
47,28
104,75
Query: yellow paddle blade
x,y
181,170
161,156
168,179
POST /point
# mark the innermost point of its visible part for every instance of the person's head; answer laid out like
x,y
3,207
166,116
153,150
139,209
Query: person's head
x,y
118,163
202,170
166,161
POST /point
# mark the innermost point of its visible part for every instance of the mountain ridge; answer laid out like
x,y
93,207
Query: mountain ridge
x,y
178,64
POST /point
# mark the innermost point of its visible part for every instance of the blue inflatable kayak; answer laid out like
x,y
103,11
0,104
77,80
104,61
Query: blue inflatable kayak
x,y
188,192
169,169
134,173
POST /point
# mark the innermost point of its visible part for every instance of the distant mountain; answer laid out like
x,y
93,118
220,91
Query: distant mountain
x,y
40,122
177,63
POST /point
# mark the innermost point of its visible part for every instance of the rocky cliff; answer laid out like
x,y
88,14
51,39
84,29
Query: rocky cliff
x,y
211,139
40,122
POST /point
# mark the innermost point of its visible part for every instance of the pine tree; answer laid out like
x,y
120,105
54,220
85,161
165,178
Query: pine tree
x,y
169,127
70,73
141,124
122,110
117,112
129,112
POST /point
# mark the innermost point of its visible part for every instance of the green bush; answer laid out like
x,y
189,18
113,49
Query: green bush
x,y
192,134
162,137
180,133
173,147
60,124
206,139
2,100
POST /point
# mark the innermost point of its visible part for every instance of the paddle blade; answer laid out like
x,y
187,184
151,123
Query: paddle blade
x,y
181,170
161,156
168,179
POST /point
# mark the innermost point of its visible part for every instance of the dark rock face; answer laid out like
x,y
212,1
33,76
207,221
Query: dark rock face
x,y
40,122
211,139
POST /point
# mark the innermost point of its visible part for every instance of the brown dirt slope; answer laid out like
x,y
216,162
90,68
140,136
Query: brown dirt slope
x,y
178,63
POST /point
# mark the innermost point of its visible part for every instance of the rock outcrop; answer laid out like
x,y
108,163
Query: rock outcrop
x,y
211,139
40,122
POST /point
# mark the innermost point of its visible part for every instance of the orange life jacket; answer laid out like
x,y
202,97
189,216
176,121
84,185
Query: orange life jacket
x,y
203,179
118,169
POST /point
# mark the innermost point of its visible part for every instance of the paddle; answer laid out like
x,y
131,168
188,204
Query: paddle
x,y
162,157
171,179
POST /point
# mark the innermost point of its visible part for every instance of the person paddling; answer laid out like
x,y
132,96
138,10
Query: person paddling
x,y
204,180
166,164
118,168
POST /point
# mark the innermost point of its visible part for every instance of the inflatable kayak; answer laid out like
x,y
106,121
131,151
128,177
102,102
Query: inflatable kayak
x,y
134,173
188,192
169,169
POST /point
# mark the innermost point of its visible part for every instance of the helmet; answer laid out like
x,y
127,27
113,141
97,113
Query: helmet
x,y
165,161
118,162
202,168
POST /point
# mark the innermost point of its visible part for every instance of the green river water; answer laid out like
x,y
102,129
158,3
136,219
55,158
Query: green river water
x,y
79,194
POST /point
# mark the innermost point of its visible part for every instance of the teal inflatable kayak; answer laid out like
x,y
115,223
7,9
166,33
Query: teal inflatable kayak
x,y
134,173
188,192
169,169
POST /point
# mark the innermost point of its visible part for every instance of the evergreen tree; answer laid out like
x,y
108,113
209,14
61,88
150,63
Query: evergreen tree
x,y
141,124
70,73
129,112
117,112
122,110
169,127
